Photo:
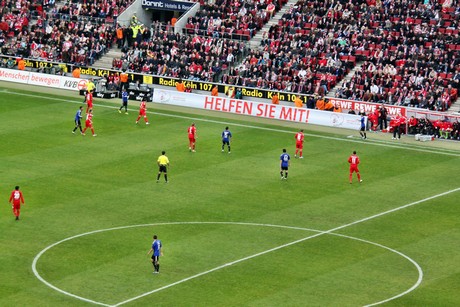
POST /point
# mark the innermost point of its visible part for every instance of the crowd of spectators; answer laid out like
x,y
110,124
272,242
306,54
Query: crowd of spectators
x,y
91,10
61,40
410,50
160,51
303,52
411,55
234,19
75,33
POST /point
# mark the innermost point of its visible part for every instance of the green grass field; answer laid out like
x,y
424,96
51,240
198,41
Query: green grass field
x,y
233,233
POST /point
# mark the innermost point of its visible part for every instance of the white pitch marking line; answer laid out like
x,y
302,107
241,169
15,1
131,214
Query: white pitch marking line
x,y
373,142
299,241
330,231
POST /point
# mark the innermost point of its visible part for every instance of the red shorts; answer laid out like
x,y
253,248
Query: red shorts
x,y
142,113
354,168
90,104
191,139
299,145
88,124
17,206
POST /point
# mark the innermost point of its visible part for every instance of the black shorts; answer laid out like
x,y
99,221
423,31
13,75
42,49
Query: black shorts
x,y
78,123
226,143
155,258
125,103
163,169
362,129
284,168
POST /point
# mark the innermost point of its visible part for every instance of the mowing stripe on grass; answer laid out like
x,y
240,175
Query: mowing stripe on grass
x,y
381,143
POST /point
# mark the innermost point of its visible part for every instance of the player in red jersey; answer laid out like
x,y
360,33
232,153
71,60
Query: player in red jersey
x,y
16,199
299,137
89,122
89,101
191,131
354,161
142,113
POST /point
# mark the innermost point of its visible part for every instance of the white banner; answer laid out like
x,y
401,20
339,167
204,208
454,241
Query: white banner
x,y
11,75
257,109
46,80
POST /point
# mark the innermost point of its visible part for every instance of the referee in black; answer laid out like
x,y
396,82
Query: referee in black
x,y
163,164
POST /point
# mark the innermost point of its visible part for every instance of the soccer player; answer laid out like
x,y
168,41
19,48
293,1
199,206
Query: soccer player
x,y
285,161
226,137
124,101
89,101
362,130
78,118
142,113
157,252
16,199
163,164
299,137
89,123
354,161
191,137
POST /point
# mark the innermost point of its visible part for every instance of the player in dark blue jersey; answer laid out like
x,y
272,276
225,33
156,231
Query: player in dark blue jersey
x,y
362,129
156,253
78,117
124,101
284,164
226,136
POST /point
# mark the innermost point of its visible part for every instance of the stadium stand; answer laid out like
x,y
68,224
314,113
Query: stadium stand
x,y
398,52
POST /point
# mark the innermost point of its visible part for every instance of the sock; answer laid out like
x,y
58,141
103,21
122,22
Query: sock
x,y
281,173
285,176
350,177
92,130
365,135
228,148
158,267
166,177
300,153
359,177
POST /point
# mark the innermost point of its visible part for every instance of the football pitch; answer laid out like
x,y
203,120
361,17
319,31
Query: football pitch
x,y
233,233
